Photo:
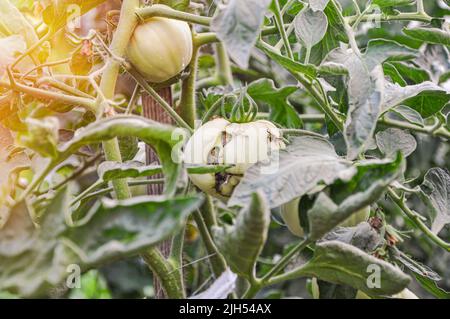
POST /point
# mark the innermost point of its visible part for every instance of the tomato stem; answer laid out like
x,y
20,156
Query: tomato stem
x,y
186,105
281,29
416,219
167,12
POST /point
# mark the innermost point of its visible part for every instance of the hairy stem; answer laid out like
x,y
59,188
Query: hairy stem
x,y
218,263
223,67
280,25
187,107
415,218
125,28
440,131
165,273
167,12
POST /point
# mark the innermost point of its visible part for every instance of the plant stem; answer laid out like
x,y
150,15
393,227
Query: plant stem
x,y
87,103
321,100
308,54
360,16
212,110
318,94
86,195
86,165
257,284
223,65
151,91
133,99
31,49
420,8
300,132
218,263
287,6
403,16
289,30
415,218
176,254
441,131
208,212
283,262
205,38
167,12
127,22
253,290
164,271
280,25
88,190
63,87
348,29
186,106
124,31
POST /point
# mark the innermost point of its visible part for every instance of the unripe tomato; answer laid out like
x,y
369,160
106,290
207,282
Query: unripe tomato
x,y
220,142
291,217
160,48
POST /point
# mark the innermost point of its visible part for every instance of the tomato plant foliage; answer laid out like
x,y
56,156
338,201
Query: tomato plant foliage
x,y
182,141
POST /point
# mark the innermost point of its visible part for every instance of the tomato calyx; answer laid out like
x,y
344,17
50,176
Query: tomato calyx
x,y
243,107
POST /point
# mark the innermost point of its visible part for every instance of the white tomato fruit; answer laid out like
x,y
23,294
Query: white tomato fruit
x,y
160,48
290,214
240,145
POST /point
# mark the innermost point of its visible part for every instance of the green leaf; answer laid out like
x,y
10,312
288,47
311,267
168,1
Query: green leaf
x,y
332,68
435,192
318,5
340,263
393,140
392,3
410,72
238,25
282,112
390,71
58,13
93,286
428,103
35,259
242,243
429,35
9,163
416,267
13,45
288,64
362,236
307,162
310,27
432,287
350,195
365,90
41,136
381,50
117,229
157,135
128,147
13,22
407,113
335,34
108,171
31,258
425,98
